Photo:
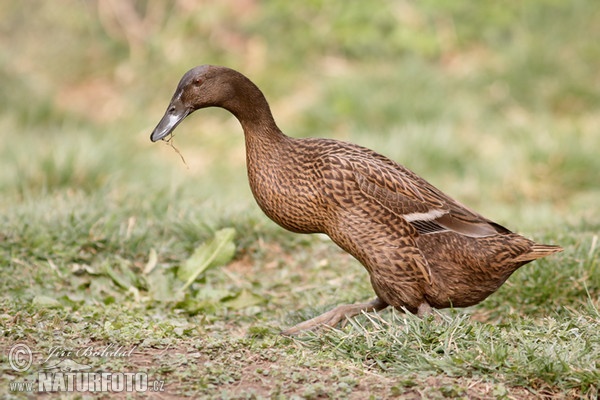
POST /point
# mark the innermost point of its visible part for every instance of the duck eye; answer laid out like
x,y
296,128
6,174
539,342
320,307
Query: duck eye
x,y
198,81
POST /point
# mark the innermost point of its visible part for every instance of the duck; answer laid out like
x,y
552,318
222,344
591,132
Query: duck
x,y
422,249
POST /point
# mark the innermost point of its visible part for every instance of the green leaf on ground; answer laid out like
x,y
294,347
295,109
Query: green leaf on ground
x,y
243,299
46,302
161,286
218,251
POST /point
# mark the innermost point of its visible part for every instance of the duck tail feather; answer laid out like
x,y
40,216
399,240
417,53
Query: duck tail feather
x,y
539,251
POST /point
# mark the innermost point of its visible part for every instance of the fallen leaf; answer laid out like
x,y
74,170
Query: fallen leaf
x,y
244,299
215,252
160,286
46,302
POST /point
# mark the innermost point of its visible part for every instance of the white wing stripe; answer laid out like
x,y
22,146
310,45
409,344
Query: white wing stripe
x,y
428,216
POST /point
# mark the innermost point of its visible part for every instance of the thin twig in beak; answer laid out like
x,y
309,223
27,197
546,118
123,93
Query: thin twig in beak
x,y
169,141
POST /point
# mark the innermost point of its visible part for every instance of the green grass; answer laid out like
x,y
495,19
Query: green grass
x,y
497,106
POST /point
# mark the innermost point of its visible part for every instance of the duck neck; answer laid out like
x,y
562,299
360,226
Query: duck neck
x,y
262,133
263,137
248,104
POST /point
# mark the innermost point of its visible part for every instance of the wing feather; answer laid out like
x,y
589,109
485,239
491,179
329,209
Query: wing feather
x,y
417,201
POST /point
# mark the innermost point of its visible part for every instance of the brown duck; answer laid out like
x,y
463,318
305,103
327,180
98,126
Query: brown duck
x,y
421,248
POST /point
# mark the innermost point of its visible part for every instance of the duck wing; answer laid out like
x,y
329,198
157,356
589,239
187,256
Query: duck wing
x,y
409,196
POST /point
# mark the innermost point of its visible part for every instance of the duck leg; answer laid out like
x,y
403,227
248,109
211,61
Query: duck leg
x,y
335,316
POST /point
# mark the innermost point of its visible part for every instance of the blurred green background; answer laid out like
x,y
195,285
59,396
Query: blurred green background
x,y
496,103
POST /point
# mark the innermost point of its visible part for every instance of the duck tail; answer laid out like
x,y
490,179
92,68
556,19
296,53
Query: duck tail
x,y
538,251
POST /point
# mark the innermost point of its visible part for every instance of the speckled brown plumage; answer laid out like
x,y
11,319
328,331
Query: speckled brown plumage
x,y
420,247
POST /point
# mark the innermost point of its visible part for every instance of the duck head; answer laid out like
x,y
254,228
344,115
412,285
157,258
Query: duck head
x,y
200,87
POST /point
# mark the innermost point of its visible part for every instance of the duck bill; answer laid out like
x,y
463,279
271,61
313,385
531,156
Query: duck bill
x,y
173,116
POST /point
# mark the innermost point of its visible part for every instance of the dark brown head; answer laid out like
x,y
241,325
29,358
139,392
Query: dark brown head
x,y
208,86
